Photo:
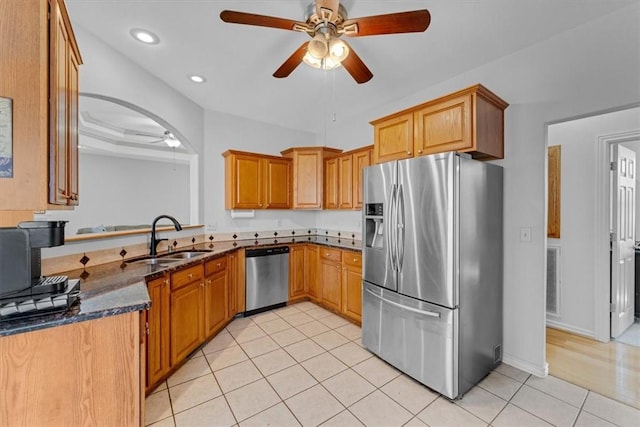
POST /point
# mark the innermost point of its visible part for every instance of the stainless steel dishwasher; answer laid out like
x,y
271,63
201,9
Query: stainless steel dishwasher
x,y
267,278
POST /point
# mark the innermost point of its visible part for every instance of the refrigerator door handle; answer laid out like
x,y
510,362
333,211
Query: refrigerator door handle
x,y
393,241
400,228
404,307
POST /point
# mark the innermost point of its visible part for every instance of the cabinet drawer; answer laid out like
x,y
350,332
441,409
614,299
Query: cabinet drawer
x,y
330,254
215,265
186,276
352,258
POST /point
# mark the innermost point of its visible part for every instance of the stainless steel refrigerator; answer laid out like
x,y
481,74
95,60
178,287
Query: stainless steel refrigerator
x,y
432,268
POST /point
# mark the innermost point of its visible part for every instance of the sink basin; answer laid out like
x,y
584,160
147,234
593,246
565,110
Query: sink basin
x,y
154,261
183,255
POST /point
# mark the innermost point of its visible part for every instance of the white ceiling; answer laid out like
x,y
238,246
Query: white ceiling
x,y
239,60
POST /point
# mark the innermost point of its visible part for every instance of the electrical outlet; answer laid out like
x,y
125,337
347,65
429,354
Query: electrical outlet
x,y
525,234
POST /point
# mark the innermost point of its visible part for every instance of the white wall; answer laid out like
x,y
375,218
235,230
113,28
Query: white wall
x,y
130,192
108,72
579,139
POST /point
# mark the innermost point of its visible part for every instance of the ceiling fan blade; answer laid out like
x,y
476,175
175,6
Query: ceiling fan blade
x,y
403,22
354,66
234,17
331,5
292,62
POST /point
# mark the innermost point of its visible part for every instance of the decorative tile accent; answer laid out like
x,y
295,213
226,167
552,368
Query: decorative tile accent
x,y
84,260
235,236
175,243
211,237
211,245
193,240
293,232
275,233
123,252
123,265
84,275
256,235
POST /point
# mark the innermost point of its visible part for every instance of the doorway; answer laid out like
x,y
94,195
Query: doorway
x,y
584,265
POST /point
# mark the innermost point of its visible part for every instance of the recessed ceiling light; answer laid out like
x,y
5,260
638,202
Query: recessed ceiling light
x,y
144,36
196,78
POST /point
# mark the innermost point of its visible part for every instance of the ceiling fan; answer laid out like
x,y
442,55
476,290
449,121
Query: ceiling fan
x,y
326,21
167,137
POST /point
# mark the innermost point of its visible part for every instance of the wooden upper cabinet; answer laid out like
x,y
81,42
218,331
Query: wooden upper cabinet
x,y
308,168
361,159
445,126
256,181
331,183
64,60
343,179
345,182
32,71
277,183
470,121
393,138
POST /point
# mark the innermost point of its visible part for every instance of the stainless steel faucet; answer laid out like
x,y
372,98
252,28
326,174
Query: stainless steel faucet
x,y
154,241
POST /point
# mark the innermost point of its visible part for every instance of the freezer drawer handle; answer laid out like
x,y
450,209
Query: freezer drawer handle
x,y
404,307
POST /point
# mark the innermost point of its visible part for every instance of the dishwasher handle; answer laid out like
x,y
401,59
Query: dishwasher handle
x,y
266,251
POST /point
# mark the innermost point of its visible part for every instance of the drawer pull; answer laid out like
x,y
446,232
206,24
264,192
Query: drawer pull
x,y
355,260
218,265
190,275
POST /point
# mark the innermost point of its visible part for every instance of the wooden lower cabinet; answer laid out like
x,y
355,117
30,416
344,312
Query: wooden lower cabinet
x,y
297,267
352,285
311,271
216,285
80,374
331,278
232,283
157,328
187,312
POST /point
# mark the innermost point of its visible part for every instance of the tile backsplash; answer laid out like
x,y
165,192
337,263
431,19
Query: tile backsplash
x,y
91,254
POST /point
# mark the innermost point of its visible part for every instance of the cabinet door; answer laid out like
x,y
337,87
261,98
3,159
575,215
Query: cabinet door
x,y
361,160
393,139
158,329
59,92
245,182
232,295
331,279
307,179
345,182
445,126
296,271
187,329
311,271
278,183
215,301
352,285
331,188
72,130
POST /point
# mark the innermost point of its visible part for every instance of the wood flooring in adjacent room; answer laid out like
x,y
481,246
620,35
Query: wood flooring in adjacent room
x,y
611,369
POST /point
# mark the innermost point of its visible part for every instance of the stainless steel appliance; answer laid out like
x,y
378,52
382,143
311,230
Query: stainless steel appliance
x,y
432,268
267,278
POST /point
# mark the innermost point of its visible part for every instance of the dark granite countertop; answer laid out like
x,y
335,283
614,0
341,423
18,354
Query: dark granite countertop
x,y
119,287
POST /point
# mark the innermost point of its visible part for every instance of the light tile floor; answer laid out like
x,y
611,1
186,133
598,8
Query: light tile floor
x,y
302,365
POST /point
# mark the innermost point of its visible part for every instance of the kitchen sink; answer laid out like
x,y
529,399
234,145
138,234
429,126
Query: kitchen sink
x,y
183,255
154,261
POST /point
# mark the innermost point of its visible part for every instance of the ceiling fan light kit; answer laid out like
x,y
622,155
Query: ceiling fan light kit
x,y
325,22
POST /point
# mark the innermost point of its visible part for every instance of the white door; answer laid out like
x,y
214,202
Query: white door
x,y
623,224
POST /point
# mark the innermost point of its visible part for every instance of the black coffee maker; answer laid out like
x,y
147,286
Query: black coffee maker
x,y
21,262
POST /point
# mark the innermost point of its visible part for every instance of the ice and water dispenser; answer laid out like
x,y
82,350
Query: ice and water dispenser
x,y
374,225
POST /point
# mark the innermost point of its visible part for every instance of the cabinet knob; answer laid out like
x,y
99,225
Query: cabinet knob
x,y
190,275
166,281
409,152
208,281
419,151
218,265
355,260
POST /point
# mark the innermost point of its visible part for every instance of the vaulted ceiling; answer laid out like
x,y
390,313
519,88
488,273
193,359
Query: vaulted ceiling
x,y
238,60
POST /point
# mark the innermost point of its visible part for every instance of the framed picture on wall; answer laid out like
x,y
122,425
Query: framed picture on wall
x,y
6,138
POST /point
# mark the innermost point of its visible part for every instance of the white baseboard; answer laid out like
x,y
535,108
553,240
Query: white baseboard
x,y
524,365
570,328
